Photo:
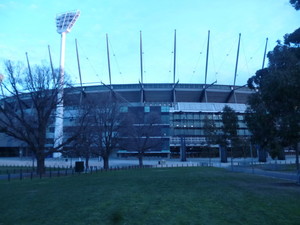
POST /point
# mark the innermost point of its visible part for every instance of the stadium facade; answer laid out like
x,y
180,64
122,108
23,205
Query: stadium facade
x,y
182,109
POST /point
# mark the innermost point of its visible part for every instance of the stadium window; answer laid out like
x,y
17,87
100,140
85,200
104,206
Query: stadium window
x,y
165,131
240,117
165,109
197,123
190,116
147,109
165,119
124,109
203,116
196,116
176,117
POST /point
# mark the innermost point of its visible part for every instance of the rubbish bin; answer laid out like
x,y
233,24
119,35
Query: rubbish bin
x,y
79,166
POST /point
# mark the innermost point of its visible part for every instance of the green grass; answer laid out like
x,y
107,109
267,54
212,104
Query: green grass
x,y
151,196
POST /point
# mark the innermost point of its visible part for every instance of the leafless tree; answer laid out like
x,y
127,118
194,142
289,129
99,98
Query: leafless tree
x,y
28,107
142,133
83,145
102,125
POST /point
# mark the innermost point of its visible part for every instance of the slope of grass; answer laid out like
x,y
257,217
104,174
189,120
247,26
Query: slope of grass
x,y
151,196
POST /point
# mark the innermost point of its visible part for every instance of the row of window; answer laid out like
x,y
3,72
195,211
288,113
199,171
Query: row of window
x,y
199,124
200,132
199,116
147,109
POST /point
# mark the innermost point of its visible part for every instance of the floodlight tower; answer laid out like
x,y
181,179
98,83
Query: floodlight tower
x,y
64,23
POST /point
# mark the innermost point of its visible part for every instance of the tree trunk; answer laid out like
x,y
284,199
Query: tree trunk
x,y
297,156
262,154
140,161
105,162
281,154
223,154
40,161
87,162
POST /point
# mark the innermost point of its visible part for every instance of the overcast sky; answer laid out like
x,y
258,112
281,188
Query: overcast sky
x,y
29,26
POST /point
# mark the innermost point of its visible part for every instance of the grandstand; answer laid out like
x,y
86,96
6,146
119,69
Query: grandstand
x,y
182,109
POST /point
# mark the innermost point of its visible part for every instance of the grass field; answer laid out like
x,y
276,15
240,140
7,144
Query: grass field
x,y
151,196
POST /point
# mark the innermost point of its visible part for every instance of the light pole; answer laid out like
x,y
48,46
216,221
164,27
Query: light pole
x,y
64,23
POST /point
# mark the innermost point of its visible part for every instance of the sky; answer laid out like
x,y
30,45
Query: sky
x,y
29,26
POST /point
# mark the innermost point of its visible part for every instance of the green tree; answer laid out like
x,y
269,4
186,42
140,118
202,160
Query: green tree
x,y
261,124
210,132
278,93
295,4
229,129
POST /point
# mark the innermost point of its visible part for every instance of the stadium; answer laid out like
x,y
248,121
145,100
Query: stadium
x,y
181,107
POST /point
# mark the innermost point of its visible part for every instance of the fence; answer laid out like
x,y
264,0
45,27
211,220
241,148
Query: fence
x,y
22,173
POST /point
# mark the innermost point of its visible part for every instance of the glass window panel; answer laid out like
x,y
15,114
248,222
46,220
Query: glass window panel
x,y
123,109
147,109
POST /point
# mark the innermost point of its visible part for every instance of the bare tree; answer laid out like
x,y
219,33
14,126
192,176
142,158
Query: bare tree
x,y
102,127
28,107
83,145
142,133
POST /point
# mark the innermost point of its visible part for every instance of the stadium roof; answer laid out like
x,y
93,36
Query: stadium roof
x,y
171,93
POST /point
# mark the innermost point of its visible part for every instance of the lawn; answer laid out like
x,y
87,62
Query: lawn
x,y
151,196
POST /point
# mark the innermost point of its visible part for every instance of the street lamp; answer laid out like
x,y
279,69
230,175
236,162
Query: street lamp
x,y
64,23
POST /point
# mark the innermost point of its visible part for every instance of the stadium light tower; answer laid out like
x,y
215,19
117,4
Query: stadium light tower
x,y
64,23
